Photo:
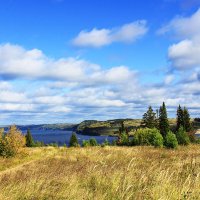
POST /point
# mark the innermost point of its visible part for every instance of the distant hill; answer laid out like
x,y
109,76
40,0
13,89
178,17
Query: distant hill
x,y
59,126
95,127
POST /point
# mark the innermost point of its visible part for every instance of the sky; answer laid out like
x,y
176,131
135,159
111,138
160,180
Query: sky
x,y
73,60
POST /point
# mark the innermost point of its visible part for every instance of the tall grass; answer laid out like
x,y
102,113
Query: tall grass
x,y
102,173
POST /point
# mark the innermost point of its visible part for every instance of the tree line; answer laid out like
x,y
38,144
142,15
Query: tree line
x,y
155,130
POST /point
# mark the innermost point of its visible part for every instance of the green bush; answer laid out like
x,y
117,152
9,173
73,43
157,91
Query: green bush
x,y
141,137
85,143
182,136
114,143
39,144
93,142
148,136
73,140
105,143
155,138
124,139
171,140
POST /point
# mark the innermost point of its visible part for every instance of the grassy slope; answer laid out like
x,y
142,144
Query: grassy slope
x,y
102,173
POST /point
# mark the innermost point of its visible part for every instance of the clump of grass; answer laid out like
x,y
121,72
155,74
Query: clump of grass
x,y
102,173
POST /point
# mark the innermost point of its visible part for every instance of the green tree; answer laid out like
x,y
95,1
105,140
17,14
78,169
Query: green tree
x,y
93,142
186,119
122,128
179,118
29,139
163,120
149,118
171,140
182,136
73,140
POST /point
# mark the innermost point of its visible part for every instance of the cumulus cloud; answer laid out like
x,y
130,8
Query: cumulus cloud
x,y
184,54
101,37
17,62
70,89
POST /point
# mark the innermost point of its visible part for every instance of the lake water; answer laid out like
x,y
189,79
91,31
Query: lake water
x,y
62,137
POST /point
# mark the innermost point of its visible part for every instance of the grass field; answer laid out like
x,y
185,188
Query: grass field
x,y
102,173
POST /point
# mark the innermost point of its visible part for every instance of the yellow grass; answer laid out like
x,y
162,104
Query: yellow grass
x,y
102,173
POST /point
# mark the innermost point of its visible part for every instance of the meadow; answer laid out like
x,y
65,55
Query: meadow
x,y
140,172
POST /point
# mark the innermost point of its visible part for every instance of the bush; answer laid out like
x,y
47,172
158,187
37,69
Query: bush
x,y
73,140
182,136
93,142
141,137
124,139
86,143
171,140
114,143
155,138
39,144
105,143
148,136
11,143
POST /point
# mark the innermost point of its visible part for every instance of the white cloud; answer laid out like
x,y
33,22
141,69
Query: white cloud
x,y
185,53
17,62
86,91
101,37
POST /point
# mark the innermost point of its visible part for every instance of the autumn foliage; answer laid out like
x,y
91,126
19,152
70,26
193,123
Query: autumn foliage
x,y
12,142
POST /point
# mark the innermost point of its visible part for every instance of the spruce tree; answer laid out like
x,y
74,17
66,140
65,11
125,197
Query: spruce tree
x,y
186,119
163,120
29,139
149,118
73,140
179,118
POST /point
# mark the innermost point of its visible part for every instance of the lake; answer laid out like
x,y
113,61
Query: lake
x,y
62,137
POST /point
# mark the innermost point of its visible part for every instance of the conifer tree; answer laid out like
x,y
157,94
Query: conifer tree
x,y
179,118
149,118
163,120
29,139
186,119
183,119
73,140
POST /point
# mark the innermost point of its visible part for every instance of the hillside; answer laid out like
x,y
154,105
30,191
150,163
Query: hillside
x,y
102,173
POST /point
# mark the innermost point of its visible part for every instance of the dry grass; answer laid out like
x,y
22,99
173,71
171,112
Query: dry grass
x,y
102,173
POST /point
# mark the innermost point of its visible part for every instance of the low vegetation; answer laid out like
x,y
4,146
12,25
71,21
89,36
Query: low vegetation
x,y
153,161
141,172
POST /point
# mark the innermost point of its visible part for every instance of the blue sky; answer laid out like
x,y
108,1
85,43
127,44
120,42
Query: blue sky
x,y
70,60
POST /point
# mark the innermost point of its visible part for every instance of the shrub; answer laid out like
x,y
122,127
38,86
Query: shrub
x,y
171,140
12,143
73,140
182,136
105,143
114,143
141,137
39,144
148,136
124,139
155,138
86,143
93,142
